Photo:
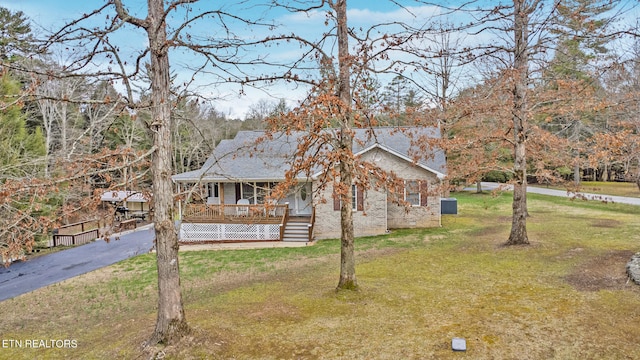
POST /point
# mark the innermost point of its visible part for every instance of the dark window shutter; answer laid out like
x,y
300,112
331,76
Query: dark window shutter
x,y
336,200
424,192
360,198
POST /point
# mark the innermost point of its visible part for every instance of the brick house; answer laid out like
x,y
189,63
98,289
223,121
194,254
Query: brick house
x,y
225,199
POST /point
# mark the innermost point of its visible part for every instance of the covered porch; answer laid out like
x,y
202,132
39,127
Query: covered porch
x,y
242,198
219,211
259,213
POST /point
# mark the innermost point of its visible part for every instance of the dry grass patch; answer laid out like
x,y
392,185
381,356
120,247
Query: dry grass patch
x,y
603,272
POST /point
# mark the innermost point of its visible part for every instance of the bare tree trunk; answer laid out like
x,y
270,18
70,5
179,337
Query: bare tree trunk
x,y
171,324
575,138
518,235
637,176
46,109
479,187
347,256
347,248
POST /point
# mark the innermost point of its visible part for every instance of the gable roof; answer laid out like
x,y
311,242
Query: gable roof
x,y
243,158
404,157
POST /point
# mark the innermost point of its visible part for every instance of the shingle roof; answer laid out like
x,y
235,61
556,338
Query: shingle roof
x,y
243,158
121,195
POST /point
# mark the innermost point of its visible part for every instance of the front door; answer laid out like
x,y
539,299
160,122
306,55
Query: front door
x,y
303,204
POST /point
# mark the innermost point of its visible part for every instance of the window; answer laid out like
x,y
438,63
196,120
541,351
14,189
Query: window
x,y
214,190
248,192
262,191
303,192
412,193
354,197
255,192
357,199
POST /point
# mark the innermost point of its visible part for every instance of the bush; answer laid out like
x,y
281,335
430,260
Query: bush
x,y
497,176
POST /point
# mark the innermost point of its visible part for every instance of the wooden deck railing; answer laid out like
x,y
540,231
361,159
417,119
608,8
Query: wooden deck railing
x,y
312,222
254,214
76,234
283,224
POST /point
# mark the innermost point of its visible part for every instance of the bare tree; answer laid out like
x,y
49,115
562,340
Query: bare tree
x,y
46,106
521,13
166,26
99,116
510,26
330,103
171,322
347,251
339,102
193,137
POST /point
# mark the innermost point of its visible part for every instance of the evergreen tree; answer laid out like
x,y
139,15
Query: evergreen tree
x,y
15,35
579,26
400,100
19,146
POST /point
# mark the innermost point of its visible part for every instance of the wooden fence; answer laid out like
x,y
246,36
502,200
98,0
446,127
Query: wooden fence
x,y
76,234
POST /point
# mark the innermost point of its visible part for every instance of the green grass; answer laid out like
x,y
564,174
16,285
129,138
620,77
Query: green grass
x,y
603,188
563,297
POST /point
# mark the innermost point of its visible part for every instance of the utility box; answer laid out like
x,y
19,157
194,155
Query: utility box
x,y
449,206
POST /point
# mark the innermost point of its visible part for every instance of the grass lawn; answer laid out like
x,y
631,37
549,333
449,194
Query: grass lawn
x,y
603,188
566,296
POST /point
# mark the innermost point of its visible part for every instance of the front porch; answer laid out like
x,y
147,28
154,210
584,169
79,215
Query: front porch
x,y
217,211
202,223
232,213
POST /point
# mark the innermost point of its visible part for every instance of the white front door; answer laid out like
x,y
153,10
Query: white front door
x,y
303,204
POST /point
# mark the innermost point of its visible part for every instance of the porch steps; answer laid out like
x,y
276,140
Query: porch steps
x,y
296,230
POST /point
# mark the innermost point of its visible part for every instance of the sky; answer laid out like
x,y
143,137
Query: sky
x,y
48,15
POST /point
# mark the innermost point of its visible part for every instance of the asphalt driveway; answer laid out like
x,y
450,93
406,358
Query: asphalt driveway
x,y
25,276
563,193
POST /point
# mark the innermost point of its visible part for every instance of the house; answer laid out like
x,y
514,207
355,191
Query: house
x,y
226,198
127,203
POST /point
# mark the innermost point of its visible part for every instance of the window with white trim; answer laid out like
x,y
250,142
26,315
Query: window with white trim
x,y
354,197
412,192
357,199
214,190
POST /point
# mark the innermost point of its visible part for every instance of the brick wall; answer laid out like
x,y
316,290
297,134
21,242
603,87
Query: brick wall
x,y
379,212
371,221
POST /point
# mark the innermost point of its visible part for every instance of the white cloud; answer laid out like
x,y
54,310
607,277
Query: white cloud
x,y
409,15
362,17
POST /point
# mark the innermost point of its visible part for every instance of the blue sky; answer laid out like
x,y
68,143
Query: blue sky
x,y
51,14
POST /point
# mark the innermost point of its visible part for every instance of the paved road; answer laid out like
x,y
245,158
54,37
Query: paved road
x,y
25,276
564,193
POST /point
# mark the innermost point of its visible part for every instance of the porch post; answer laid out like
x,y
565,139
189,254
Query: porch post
x,y
255,193
179,203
